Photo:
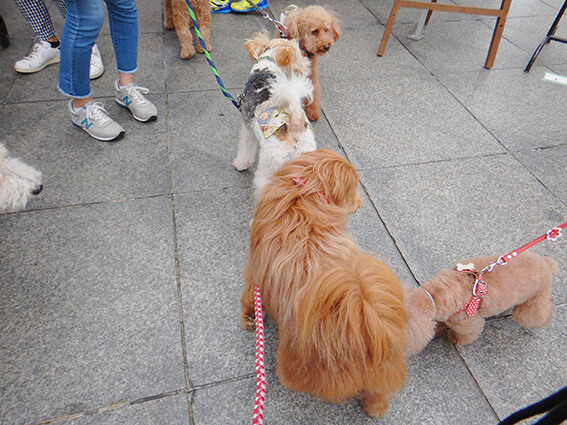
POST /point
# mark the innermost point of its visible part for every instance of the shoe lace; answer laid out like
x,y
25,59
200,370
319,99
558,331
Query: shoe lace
x,y
96,112
35,49
136,94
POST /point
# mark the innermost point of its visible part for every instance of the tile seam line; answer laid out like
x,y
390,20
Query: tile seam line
x,y
371,200
477,384
179,290
182,334
109,408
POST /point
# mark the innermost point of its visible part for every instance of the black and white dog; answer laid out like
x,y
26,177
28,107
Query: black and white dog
x,y
272,109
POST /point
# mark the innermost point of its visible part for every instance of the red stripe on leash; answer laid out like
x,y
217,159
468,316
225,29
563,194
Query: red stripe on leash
x,y
258,416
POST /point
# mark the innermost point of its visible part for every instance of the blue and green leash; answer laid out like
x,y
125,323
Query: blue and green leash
x,y
209,59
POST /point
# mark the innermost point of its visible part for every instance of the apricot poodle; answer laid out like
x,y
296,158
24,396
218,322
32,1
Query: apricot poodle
x,y
447,300
316,29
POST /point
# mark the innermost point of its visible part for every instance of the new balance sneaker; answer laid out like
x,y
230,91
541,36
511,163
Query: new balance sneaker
x,y
246,5
219,6
41,55
94,119
132,98
97,68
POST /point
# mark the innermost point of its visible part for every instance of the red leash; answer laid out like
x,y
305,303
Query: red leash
x,y
480,289
258,416
552,235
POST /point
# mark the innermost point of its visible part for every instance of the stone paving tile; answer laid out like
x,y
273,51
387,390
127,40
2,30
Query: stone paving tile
x,y
507,358
548,165
378,135
528,119
89,309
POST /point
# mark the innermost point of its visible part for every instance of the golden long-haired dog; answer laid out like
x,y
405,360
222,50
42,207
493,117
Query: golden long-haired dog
x,y
177,16
316,29
340,312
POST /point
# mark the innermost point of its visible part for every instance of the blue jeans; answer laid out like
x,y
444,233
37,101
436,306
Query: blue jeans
x,y
82,26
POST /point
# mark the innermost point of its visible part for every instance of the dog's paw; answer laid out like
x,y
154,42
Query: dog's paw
x,y
187,52
459,338
242,164
374,405
312,112
247,322
168,24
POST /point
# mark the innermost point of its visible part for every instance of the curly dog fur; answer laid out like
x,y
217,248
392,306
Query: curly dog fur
x,y
18,182
523,284
316,29
177,16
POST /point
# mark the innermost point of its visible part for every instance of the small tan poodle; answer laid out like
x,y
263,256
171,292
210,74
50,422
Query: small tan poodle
x,y
447,299
177,16
18,182
316,29
340,312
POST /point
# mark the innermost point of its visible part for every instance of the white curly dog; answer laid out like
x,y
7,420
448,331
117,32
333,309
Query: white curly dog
x,y
18,182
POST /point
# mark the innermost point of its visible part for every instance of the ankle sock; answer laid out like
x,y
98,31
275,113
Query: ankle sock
x,y
54,44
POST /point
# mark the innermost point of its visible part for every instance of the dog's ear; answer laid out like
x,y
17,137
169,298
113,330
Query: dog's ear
x,y
339,179
292,24
335,26
285,56
257,45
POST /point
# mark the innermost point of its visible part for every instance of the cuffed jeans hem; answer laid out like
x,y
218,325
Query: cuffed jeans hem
x,y
72,95
127,72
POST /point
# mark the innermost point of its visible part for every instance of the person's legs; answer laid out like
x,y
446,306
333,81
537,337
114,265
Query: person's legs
x,y
36,14
62,6
82,26
45,49
123,22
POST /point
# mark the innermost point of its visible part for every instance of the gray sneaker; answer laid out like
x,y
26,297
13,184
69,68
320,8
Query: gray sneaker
x,y
132,98
94,120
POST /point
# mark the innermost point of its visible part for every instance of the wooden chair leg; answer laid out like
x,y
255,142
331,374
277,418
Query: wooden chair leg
x,y
389,26
497,34
429,13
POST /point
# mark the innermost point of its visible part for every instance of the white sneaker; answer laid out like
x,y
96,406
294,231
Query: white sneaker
x,y
97,68
132,98
93,119
40,56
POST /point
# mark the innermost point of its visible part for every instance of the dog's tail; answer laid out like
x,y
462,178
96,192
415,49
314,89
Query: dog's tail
x,y
351,324
293,92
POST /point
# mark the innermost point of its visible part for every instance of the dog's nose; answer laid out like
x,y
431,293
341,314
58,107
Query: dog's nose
x,y
327,47
38,190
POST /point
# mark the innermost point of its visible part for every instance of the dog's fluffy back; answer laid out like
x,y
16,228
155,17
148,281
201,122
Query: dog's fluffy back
x,y
351,321
340,312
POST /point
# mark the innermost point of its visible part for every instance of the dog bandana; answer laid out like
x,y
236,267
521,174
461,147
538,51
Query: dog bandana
x,y
271,117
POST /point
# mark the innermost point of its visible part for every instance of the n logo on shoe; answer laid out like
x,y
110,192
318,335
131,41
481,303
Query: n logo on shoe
x,y
86,123
126,101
